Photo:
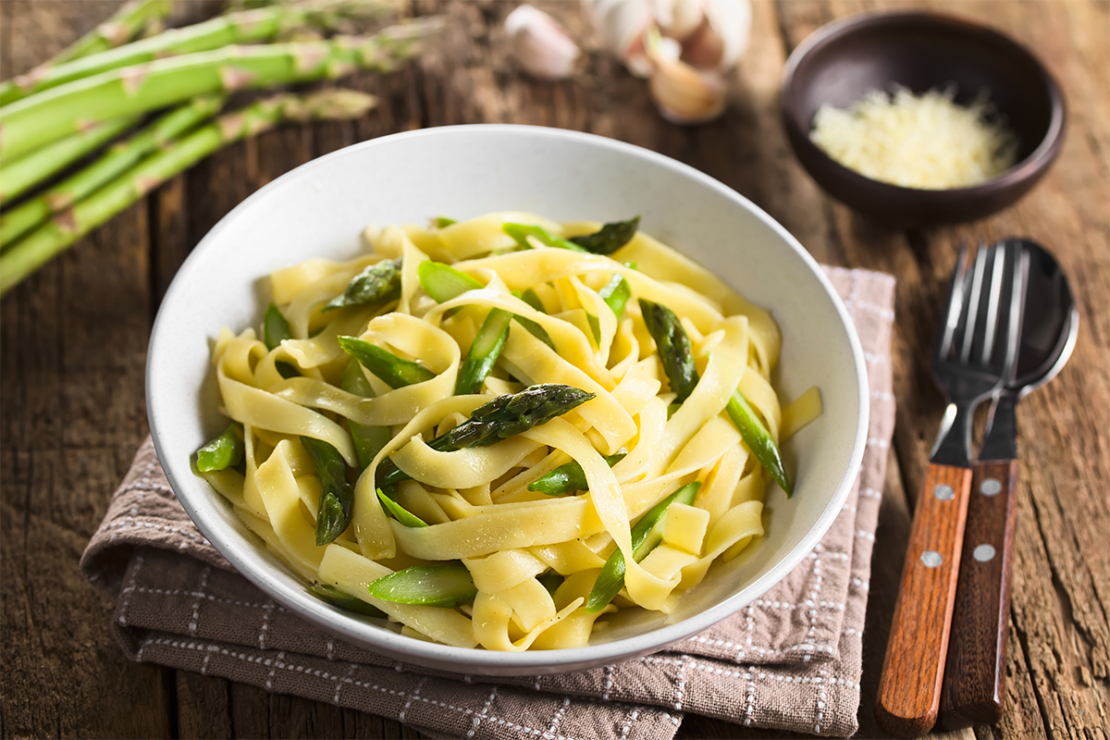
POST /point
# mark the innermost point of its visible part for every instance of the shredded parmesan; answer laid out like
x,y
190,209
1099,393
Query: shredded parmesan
x,y
927,142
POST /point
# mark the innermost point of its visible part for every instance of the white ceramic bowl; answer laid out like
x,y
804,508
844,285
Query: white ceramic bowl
x,y
320,208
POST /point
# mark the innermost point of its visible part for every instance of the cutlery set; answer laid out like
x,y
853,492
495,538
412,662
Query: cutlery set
x,y
1009,327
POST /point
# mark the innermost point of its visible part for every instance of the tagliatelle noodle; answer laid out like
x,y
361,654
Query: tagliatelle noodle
x,y
475,502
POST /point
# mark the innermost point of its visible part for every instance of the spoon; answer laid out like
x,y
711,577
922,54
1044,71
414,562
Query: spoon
x,y
976,664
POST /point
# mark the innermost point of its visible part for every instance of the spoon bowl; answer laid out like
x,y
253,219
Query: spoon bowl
x,y
1051,321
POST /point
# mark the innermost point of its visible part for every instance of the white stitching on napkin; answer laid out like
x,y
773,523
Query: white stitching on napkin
x,y
204,576
129,591
485,713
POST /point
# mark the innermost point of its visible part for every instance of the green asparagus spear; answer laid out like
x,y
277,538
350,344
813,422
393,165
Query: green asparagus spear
x,y
377,283
616,294
521,232
532,299
503,417
442,222
610,238
337,495
568,478
19,175
484,352
119,159
44,243
124,25
674,347
678,362
400,513
223,452
759,441
368,440
443,282
436,585
245,27
611,578
394,371
535,330
64,110
344,600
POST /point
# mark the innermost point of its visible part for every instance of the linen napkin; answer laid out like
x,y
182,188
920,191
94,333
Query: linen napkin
x,y
791,660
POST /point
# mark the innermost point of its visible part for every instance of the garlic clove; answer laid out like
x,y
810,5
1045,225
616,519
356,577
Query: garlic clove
x,y
679,18
622,24
540,45
684,94
728,28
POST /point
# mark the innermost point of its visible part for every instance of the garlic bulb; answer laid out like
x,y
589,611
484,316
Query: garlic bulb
x,y
683,93
540,44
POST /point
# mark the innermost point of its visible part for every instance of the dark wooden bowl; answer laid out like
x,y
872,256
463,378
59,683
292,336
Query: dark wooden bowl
x,y
842,61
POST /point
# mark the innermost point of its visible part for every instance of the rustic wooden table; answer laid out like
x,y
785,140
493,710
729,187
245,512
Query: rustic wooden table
x,y
74,348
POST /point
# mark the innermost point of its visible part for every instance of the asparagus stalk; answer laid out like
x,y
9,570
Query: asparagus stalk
x,y
436,585
378,282
610,238
611,578
344,600
503,417
521,232
483,352
275,329
394,371
23,173
568,478
64,229
337,495
118,160
674,348
443,282
400,513
678,363
368,440
39,119
616,294
124,25
225,451
758,440
245,27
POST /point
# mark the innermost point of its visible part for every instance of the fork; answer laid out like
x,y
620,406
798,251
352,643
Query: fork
x,y
975,352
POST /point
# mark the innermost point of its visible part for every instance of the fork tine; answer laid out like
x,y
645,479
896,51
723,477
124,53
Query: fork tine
x,y
1019,261
955,301
973,304
1000,265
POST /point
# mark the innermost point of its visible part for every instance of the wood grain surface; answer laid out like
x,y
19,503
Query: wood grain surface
x,y
74,338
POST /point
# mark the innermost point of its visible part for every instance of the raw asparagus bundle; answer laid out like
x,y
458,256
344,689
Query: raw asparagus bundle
x,y
64,229
115,162
263,24
64,110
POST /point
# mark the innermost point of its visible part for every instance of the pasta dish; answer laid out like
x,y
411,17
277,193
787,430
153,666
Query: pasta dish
x,y
499,432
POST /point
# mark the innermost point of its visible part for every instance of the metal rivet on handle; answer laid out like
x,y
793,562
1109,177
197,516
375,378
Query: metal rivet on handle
x,y
944,493
931,558
990,487
983,553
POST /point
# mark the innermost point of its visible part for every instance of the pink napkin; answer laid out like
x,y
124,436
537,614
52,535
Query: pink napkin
x,y
791,660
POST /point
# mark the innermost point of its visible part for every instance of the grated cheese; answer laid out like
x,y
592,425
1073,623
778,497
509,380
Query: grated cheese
x,y
927,142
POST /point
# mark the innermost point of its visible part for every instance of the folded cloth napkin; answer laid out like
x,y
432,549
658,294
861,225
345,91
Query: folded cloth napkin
x,y
790,660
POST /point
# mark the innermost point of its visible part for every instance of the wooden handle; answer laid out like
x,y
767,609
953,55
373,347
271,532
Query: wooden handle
x,y
909,690
973,680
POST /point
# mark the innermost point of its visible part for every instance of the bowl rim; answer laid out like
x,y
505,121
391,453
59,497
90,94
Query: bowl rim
x,y
476,660
1029,167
